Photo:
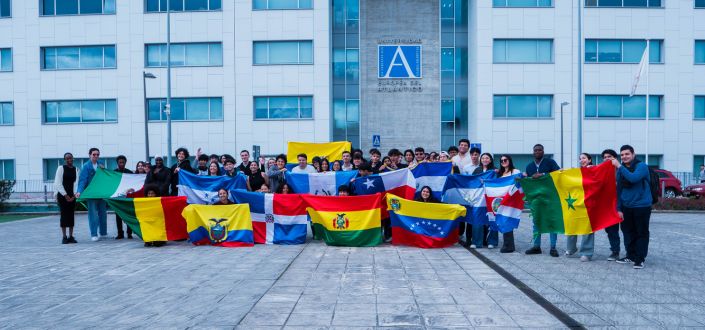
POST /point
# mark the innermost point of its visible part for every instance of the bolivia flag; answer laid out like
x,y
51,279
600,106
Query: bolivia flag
x,y
577,201
319,183
276,218
426,225
153,218
346,220
330,150
221,225
108,184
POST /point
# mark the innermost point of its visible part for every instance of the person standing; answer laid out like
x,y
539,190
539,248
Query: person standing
x,y
140,168
182,163
702,173
462,158
65,184
474,162
347,164
634,205
538,168
303,166
159,176
482,234
612,231
256,179
244,167
587,245
121,162
375,160
229,168
506,169
202,168
276,173
408,157
97,208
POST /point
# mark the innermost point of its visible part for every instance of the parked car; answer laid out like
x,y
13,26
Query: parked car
x,y
671,186
695,190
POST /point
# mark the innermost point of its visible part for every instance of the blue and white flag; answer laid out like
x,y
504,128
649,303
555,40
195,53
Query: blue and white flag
x,y
468,190
318,183
201,189
433,175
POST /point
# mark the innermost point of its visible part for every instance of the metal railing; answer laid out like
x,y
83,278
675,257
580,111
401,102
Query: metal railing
x,y
687,178
32,191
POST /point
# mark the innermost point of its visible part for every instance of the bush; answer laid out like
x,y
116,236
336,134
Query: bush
x,y
5,190
680,204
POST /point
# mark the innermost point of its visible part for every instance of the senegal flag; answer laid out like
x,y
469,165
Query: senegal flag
x,y
153,218
346,220
221,225
426,225
330,150
107,184
577,201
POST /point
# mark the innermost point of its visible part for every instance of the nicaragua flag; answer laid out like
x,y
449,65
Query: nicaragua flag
x,y
201,189
468,190
318,183
495,191
433,175
276,218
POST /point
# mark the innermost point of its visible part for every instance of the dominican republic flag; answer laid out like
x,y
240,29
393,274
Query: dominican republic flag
x,y
200,189
276,218
468,190
496,190
433,175
400,183
318,183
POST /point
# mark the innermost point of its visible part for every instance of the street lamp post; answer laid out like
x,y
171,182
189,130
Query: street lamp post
x,y
167,107
145,76
563,104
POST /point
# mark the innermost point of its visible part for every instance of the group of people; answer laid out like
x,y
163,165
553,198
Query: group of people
x,y
634,197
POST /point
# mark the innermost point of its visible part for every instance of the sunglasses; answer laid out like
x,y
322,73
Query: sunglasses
x,y
504,160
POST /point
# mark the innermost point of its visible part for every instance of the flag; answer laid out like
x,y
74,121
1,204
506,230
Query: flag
x,y
276,218
496,191
201,189
433,175
330,150
153,218
642,69
400,182
220,225
508,213
468,190
575,201
318,183
426,225
110,184
346,220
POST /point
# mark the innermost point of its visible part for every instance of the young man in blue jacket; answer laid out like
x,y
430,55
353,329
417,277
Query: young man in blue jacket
x,y
634,205
97,208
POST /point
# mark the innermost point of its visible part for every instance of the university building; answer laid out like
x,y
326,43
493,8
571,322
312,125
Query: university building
x,y
506,74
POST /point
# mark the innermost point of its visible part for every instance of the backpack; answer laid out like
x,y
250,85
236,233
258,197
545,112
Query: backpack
x,y
654,184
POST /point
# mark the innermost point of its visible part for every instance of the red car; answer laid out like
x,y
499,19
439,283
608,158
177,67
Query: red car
x,y
671,186
695,190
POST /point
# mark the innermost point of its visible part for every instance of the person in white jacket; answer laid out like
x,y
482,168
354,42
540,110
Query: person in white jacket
x,y
65,185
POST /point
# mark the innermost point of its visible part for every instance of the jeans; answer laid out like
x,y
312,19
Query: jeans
x,y
635,228
613,235
587,245
508,241
481,234
118,223
97,217
537,239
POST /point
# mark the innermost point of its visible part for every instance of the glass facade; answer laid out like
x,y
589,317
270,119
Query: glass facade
x,y
283,107
79,111
5,8
699,3
281,4
7,113
621,51
623,106
699,107
184,54
454,71
51,164
152,6
522,3
346,71
522,51
522,106
282,52
78,57
7,169
5,59
192,109
76,7
699,51
623,3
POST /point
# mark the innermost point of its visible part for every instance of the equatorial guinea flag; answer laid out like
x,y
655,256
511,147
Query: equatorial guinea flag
x,y
577,201
325,184
109,184
276,218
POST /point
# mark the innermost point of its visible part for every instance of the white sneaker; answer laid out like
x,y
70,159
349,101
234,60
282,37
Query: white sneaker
x,y
472,246
103,236
490,246
584,258
95,239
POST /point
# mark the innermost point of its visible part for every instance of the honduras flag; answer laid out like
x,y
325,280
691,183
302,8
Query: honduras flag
x,y
496,190
468,190
276,218
433,175
319,183
201,189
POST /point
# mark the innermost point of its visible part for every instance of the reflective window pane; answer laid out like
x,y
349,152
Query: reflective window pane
x,y
109,7
306,107
545,106
285,52
196,5
634,107
6,59
447,110
700,51
67,7
590,106
633,50
655,102
214,5
590,51
305,52
283,4
5,8
260,50
197,109
91,57
67,58
178,111
609,51
609,106
283,107
261,108
92,111
70,112
216,54
7,116
51,112
47,7
216,108
523,51
91,6
197,55
521,106
699,107
110,110
178,55
155,109
109,57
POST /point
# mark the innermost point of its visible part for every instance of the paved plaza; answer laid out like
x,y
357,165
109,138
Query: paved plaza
x,y
120,284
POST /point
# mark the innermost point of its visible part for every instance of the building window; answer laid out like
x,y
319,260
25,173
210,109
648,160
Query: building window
x,y
522,3
699,51
5,59
185,54
699,107
191,108
283,107
7,113
51,164
523,51
79,111
345,43
283,52
454,72
152,6
5,8
7,169
523,106
699,3
622,51
281,4
623,3
76,7
622,106
78,57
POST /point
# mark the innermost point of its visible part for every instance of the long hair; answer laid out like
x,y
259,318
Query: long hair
x,y
510,165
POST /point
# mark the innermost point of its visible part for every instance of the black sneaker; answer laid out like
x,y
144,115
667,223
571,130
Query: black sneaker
x,y
624,260
129,236
614,256
533,250
64,240
72,240
148,244
638,265
554,253
506,250
119,236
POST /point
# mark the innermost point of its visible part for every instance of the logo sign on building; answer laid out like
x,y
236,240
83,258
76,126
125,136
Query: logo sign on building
x,y
476,145
399,61
376,141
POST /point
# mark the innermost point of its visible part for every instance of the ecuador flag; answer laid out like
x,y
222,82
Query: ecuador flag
x,y
222,225
330,150
426,225
346,220
577,201
153,218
